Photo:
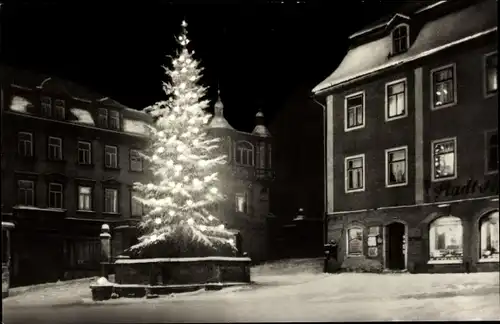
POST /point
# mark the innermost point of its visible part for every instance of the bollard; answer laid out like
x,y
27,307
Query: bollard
x,y
105,237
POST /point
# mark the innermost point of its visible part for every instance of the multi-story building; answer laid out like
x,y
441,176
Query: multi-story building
x,y
247,181
412,140
69,160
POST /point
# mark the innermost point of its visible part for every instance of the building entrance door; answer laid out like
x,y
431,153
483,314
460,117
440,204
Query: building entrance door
x,y
395,251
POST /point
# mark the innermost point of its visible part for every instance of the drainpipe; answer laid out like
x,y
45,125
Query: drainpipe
x,y
325,196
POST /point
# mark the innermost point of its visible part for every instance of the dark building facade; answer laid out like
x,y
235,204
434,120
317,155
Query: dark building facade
x,y
412,143
247,179
69,160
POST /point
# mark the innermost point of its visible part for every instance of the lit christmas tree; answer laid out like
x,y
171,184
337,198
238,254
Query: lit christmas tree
x,y
183,162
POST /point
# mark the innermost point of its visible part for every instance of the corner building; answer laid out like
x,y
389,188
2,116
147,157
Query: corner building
x,y
412,141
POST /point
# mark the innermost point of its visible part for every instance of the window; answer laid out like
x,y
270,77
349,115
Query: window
x,y
489,231
114,119
55,148
443,85
84,152
55,195
59,109
396,167
84,198
264,194
444,165
135,161
241,203
26,193
84,252
492,152
395,100
491,76
354,173
354,111
269,160
400,39
262,155
111,156
354,241
137,209
445,240
103,117
46,104
25,144
244,153
110,201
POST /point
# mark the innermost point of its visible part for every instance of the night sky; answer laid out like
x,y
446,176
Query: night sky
x,y
261,53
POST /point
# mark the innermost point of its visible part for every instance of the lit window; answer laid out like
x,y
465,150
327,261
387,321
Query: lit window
x,y
110,201
114,119
355,241
25,144
241,203
491,73
26,193
55,195
103,117
489,231
396,100
244,153
354,111
55,148
400,39
444,159
59,109
135,161
84,198
46,104
443,86
396,173
354,173
111,156
445,240
84,152
492,152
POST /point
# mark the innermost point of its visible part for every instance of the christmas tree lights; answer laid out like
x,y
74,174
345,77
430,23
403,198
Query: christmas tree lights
x,y
183,162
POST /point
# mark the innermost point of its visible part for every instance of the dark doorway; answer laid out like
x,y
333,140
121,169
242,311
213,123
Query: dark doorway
x,y
395,250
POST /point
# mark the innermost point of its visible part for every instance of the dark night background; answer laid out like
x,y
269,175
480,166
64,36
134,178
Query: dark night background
x,y
266,55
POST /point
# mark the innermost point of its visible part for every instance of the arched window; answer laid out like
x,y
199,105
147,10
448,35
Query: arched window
x,y
400,39
445,240
488,227
244,153
355,241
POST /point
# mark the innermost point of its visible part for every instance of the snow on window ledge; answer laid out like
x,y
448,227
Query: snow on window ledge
x,y
489,260
445,261
39,208
85,211
20,104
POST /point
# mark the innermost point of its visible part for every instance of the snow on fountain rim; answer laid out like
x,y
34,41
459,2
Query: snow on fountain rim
x,y
189,259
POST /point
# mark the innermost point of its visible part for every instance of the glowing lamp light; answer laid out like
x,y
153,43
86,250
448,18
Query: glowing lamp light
x,y
171,213
190,221
189,202
160,150
157,220
213,190
231,241
210,218
203,228
186,178
171,184
161,133
150,186
221,226
178,167
170,163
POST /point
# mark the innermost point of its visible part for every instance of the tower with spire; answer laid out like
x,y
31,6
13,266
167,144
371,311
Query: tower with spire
x,y
248,175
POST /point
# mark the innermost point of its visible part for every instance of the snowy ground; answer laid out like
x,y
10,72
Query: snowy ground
x,y
300,293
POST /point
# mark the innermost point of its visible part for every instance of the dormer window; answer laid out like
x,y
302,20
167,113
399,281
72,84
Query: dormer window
x,y
400,39
114,119
103,117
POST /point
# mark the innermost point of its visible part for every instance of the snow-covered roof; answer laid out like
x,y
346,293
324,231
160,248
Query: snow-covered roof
x,y
451,29
8,225
261,130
